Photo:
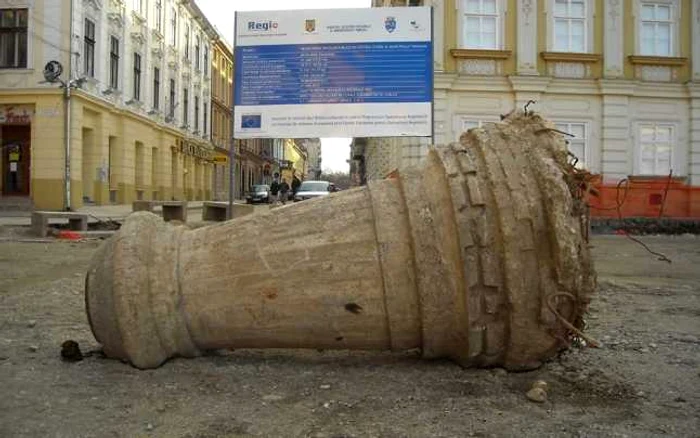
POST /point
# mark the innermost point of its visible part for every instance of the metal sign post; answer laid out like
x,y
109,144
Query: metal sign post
x,y
231,154
432,73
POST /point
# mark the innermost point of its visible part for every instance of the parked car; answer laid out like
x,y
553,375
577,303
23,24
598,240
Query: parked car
x,y
258,193
313,189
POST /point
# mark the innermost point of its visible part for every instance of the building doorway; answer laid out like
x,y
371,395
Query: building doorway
x,y
16,159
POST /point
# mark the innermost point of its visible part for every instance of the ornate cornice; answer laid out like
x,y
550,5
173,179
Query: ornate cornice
x,y
480,54
571,57
94,4
159,37
138,18
138,38
157,52
116,19
666,61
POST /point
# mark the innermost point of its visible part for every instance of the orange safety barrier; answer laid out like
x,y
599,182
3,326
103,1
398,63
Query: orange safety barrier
x,y
645,197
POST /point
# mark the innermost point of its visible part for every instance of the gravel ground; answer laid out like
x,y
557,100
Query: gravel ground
x,y
644,380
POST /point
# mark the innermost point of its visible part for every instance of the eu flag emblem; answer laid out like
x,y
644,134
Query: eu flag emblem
x,y
251,121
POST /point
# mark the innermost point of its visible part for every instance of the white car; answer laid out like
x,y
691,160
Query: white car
x,y
314,189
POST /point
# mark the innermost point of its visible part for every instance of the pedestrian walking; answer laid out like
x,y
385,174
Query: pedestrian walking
x,y
284,190
274,190
296,182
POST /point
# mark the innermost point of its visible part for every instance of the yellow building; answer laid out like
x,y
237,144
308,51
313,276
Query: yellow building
x,y
222,88
252,157
294,160
138,110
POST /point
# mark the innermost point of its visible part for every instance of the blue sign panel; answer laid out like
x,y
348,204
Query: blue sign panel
x,y
334,73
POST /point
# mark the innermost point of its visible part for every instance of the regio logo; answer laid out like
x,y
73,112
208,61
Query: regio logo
x,y
262,26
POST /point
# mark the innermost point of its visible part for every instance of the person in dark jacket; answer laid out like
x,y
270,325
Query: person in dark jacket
x,y
274,190
296,182
284,190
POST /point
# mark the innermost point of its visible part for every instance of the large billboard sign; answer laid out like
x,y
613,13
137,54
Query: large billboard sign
x,y
333,73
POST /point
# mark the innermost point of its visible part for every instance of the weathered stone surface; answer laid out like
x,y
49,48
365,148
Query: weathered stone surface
x,y
478,256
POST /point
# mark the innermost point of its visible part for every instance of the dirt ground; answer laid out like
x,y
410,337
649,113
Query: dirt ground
x,y
644,381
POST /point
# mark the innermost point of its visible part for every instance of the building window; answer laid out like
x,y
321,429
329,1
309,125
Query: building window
x,y
137,76
480,24
656,29
159,15
578,144
463,123
187,41
13,38
655,149
196,52
185,104
206,60
223,87
570,26
156,88
196,114
470,124
138,6
173,28
89,49
172,97
204,118
113,62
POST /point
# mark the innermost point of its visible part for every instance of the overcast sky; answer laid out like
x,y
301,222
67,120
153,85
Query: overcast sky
x,y
335,151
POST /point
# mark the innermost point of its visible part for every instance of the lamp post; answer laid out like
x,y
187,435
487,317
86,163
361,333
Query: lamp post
x,y
52,74
67,86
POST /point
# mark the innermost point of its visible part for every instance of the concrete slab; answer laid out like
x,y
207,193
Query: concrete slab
x,y
96,213
40,221
218,211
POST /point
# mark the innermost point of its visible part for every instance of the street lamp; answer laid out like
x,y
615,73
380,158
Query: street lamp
x,y
52,74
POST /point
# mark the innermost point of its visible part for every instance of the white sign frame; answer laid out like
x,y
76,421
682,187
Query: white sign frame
x,y
402,33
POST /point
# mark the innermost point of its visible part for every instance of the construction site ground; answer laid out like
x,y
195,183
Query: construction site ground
x,y
643,381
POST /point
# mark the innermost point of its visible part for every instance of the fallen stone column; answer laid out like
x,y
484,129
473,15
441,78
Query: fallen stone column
x,y
479,256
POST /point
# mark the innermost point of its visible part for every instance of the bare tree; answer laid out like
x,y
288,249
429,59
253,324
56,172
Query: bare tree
x,y
340,179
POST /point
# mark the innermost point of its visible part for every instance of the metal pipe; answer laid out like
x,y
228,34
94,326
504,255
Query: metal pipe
x,y
67,116
67,126
231,154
